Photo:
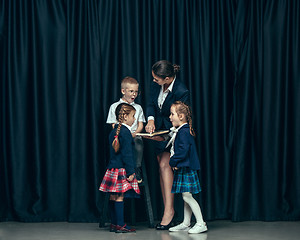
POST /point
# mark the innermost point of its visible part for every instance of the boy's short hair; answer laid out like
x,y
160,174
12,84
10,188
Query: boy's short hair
x,y
126,80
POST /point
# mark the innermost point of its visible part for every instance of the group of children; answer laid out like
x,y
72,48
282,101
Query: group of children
x,y
123,172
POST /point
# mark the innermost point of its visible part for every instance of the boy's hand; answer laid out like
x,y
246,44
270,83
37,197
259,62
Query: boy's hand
x,y
175,168
133,135
130,178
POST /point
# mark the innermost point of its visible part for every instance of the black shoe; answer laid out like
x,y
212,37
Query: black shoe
x,y
164,227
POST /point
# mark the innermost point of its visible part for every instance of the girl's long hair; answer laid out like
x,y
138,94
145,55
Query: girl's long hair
x,y
182,108
121,110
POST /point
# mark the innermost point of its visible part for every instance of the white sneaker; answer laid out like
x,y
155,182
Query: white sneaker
x,y
198,228
180,227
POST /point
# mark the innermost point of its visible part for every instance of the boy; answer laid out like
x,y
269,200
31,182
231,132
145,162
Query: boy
x,y
130,90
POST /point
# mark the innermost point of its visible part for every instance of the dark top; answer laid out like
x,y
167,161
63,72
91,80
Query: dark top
x,y
125,157
185,152
179,93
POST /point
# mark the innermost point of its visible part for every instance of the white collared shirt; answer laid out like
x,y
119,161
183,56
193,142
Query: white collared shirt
x,y
162,96
139,114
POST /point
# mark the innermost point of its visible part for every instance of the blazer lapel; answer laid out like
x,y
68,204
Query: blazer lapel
x,y
168,99
170,95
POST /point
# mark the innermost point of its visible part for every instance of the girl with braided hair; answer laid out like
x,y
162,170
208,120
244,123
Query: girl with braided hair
x,y
185,163
120,180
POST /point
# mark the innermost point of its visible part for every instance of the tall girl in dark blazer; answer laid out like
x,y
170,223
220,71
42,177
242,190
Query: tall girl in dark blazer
x,y
166,89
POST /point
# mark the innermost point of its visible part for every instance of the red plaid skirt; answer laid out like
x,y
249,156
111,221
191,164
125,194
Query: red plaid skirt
x,y
115,181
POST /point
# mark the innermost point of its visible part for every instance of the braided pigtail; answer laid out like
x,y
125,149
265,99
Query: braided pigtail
x,y
182,108
190,121
121,110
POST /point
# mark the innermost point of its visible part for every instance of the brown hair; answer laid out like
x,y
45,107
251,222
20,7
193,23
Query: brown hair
x,y
126,80
164,68
121,110
182,108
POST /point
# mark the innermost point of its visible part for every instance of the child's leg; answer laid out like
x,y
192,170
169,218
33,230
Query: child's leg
x,y
111,206
139,148
188,198
187,214
119,210
185,225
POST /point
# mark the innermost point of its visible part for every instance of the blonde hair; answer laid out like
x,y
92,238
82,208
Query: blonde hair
x,y
127,80
182,108
121,110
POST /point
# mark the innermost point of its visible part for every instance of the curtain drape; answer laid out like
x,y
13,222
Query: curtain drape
x,y
61,67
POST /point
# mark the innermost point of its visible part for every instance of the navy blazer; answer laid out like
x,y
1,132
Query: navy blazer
x,y
179,93
125,157
185,152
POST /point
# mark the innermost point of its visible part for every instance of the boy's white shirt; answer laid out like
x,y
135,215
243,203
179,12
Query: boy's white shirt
x,y
139,114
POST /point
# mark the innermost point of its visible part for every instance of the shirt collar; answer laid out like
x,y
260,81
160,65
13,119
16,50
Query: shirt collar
x,y
122,101
170,88
177,129
124,124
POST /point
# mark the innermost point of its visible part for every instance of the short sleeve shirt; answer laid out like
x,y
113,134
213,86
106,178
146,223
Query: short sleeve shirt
x,y
139,114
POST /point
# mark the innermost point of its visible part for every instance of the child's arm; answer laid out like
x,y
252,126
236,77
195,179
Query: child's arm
x,y
139,128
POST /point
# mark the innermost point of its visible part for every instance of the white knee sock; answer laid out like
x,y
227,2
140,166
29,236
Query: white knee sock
x,y
194,206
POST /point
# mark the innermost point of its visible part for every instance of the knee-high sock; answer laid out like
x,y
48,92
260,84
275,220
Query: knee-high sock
x,y
111,206
188,198
119,211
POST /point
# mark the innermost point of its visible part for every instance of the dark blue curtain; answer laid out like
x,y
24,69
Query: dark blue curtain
x,y
61,67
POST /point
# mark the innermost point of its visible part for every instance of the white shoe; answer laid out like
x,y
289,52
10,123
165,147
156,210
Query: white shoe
x,y
180,227
198,228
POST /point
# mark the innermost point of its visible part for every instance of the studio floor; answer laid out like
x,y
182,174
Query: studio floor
x,y
217,230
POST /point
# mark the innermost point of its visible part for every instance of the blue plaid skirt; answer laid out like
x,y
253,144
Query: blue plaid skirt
x,y
186,180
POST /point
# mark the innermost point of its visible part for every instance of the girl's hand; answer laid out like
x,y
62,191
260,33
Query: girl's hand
x,y
150,127
130,178
133,135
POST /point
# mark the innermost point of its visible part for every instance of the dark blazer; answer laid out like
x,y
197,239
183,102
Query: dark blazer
x,y
125,157
179,93
185,152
